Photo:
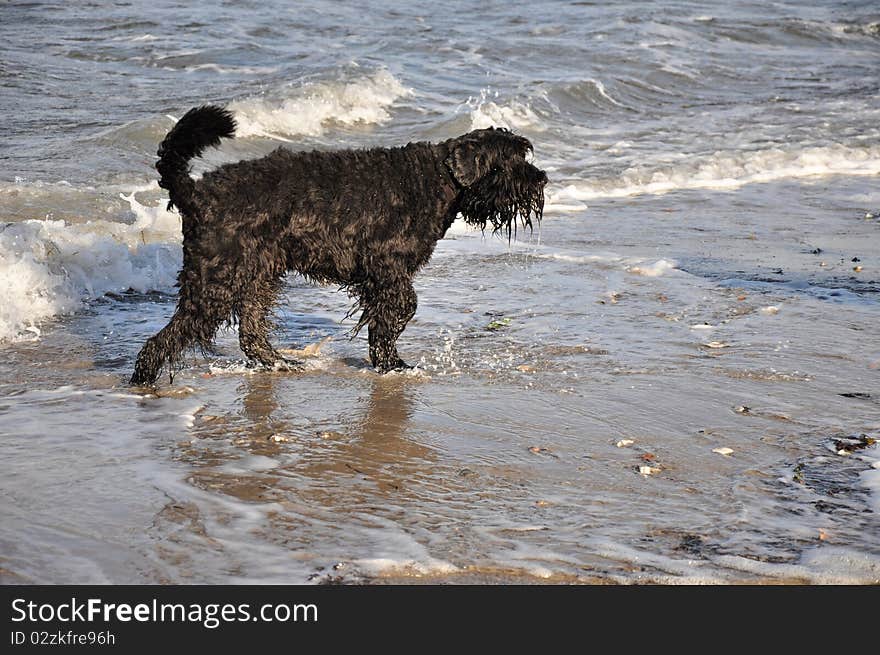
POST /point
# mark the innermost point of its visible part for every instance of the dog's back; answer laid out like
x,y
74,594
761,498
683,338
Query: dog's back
x,y
334,212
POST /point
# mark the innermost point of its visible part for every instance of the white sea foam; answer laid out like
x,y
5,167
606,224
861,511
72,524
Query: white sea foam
x,y
385,566
50,268
239,70
727,171
312,107
652,269
136,39
551,207
820,565
485,112
600,90
578,259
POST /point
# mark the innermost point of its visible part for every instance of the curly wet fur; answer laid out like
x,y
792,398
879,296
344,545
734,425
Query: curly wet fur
x,y
367,220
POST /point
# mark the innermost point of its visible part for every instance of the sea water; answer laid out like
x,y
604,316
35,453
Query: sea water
x,y
673,379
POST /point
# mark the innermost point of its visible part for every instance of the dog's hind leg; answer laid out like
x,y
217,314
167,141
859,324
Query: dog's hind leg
x,y
195,322
165,347
388,309
254,325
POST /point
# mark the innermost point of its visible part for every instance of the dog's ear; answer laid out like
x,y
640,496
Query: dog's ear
x,y
466,159
475,154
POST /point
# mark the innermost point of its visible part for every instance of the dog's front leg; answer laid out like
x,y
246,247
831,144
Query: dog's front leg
x,y
389,309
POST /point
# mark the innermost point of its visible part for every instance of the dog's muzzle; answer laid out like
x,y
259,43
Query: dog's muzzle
x,y
510,194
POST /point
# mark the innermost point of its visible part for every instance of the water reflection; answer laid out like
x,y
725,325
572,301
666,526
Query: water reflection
x,y
378,446
297,439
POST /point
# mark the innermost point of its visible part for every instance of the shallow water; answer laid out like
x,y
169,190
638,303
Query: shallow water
x,y
705,278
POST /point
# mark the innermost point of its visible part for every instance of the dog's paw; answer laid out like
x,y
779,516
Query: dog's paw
x,y
144,380
399,366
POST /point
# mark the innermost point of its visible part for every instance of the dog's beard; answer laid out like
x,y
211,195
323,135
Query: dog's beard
x,y
504,199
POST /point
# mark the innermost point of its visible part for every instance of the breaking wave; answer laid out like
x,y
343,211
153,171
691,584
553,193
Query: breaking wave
x,y
50,268
727,171
314,106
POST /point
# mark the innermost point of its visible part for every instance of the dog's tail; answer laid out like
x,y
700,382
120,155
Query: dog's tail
x,y
200,128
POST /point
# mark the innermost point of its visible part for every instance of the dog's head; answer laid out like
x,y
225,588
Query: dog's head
x,y
497,185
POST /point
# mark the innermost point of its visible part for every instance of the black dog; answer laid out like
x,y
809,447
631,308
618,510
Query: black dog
x,y
364,219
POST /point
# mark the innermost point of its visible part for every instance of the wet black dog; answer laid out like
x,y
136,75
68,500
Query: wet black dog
x,y
364,219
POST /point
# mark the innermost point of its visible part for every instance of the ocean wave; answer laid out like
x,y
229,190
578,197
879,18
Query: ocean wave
x,y
823,30
50,268
25,199
314,106
593,92
726,171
